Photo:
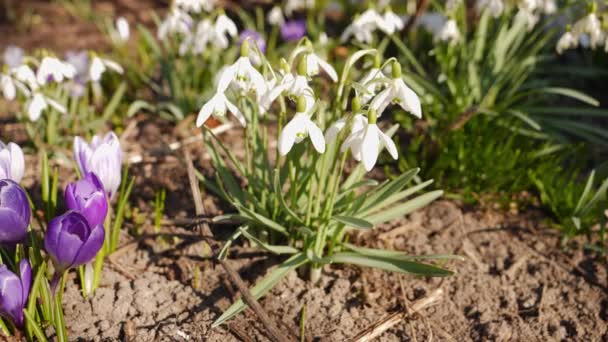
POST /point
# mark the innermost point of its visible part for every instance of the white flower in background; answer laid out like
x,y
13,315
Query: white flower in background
x,y
390,22
275,16
100,65
80,61
102,157
13,56
449,32
223,28
314,63
197,41
372,82
299,128
195,6
52,69
397,92
566,41
12,163
7,85
548,6
217,106
123,30
365,143
39,103
529,17
363,27
359,122
592,27
496,7
296,5
176,22
25,74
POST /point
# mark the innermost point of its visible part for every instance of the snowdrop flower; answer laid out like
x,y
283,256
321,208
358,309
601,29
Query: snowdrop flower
x,y
397,91
25,74
123,30
548,6
293,30
242,74
13,56
294,86
449,32
359,123
217,106
7,85
565,42
591,26
495,7
363,27
372,82
103,157
314,63
300,127
176,22
197,41
223,28
100,65
195,6
39,103
390,22
275,16
529,17
365,143
52,69
12,163
295,5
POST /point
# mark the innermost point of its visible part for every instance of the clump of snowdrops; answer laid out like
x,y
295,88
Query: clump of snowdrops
x,y
295,197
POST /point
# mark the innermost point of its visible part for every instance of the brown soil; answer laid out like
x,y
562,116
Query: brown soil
x,y
514,285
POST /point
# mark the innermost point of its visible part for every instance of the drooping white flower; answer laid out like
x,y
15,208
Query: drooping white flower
x,y
12,163
566,41
13,56
39,103
314,64
449,32
177,21
195,6
52,69
292,86
296,5
25,74
592,27
299,128
365,143
496,7
548,6
531,18
7,85
243,76
223,28
123,30
275,16
390,22
103,156
363,26
100,65
398,92
217,106
359,122
197,41
372,82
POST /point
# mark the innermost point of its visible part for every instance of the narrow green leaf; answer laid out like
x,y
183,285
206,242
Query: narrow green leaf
x,y
353,222
404,208
388,264
270,248
33,325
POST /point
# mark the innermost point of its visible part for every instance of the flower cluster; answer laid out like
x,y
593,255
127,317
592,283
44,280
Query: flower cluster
x,y
363,26
586,32
35,83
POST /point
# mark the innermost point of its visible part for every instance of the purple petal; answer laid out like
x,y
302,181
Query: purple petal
x,y
91,247
25,271
293,30
11,303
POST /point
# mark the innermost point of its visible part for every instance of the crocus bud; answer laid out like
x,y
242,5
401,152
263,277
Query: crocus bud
x,y
102,157
87,196
14,291
293,30
15,213
71,242
11,162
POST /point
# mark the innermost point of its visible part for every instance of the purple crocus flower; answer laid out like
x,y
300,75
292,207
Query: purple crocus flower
x,y
15,213
254,37
14,291
88,197
293,30
71,242
102,157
